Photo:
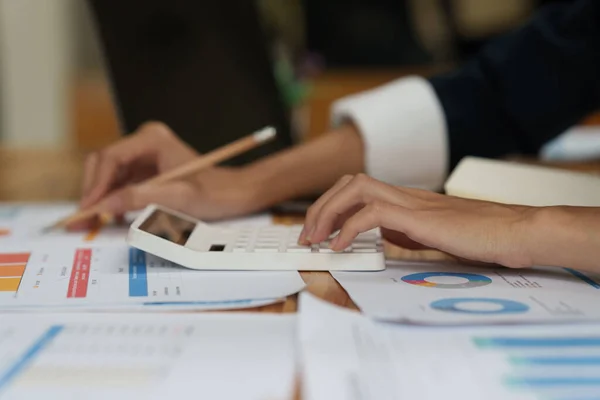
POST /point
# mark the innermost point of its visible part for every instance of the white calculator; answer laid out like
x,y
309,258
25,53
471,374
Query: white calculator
x,y
194,244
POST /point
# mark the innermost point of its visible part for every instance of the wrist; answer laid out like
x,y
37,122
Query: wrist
x,y
304,170
252,182
547,230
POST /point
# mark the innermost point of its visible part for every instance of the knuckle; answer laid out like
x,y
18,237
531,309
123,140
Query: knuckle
x,y
362,179
310,213
377,208
182,192
350,228
106,156
156,130
187,198
358,186
346,178
90,158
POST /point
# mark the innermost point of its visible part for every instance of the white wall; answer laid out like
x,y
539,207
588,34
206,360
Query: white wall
x,y
35,72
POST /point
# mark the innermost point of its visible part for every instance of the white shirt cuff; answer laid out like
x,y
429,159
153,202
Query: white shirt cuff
x,y
404,131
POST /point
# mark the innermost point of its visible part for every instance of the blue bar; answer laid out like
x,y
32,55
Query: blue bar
x,y
8,212
138,279
551,361
553,381
206,302
29,355
511,342
584,278
579,398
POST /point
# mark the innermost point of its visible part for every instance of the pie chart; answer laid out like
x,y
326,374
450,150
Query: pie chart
x,y
481,306
473,280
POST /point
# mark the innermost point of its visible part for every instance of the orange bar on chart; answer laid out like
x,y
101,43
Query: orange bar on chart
x,y
14,258
4,232
12,270
9,284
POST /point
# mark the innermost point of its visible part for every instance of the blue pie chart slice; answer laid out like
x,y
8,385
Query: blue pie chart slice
x,y
473,280
456,305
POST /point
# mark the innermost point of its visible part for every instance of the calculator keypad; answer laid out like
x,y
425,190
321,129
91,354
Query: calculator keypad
x,y
276,239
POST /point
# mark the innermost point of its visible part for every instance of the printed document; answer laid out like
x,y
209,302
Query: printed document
x,y
345,355
445,293
137,356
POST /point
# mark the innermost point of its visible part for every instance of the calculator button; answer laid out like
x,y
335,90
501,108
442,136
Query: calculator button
x,y
371,250
267,243
268,238
367,236
298,249
272,232
364,241
266,250
360,245
326,251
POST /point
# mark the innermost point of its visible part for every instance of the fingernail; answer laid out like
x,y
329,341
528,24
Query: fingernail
x,y
333,242
310,234
301,238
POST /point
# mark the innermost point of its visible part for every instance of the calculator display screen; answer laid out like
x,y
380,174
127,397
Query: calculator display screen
x,y
168,226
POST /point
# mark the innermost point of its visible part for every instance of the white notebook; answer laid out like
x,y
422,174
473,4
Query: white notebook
x,y
516,183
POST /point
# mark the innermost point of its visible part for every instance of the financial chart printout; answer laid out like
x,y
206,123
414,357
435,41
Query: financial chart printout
x,y
116,276
445,293
136,356
346,355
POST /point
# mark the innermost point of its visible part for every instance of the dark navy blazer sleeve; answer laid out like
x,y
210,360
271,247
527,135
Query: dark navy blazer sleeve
x,y
526,87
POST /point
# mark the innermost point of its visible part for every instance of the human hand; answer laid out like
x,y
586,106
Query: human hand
x,y
113,176
474,230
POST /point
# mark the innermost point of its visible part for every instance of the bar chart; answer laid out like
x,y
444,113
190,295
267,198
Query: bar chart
x,y
550,366
12,268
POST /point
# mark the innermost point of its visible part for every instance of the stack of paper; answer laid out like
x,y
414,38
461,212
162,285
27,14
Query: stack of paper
x,y
96,270
347,356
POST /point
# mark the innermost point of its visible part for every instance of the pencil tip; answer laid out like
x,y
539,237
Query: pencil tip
x,y
48,229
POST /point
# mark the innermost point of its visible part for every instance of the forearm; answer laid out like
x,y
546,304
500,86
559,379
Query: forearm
x,y
308,169
566,237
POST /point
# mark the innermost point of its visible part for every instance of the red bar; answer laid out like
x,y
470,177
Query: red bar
x,y
14,258
80,274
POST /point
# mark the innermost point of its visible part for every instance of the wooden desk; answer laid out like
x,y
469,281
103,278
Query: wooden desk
x,y
55,175
36,175
44,175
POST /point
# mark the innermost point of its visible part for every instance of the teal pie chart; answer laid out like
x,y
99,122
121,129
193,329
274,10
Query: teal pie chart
x,y
473,280
480,306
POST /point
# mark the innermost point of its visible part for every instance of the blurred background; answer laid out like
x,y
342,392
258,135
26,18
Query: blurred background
x,y
63,84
